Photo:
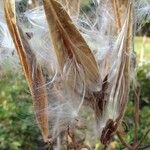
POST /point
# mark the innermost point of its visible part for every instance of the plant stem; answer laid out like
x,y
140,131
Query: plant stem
x,y
124,142
136,114
144,147
144,137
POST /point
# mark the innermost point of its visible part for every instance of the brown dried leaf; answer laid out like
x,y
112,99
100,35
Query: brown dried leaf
x,y
68,42
32,71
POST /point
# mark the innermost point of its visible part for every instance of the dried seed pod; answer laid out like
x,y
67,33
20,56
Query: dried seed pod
x,y
73,7
69,43
120,91
31,69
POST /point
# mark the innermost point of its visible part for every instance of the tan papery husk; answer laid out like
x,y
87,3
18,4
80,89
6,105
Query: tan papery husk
x,y
32,70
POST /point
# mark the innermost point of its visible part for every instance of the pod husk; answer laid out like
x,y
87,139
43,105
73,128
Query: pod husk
x,y
32,70
68,42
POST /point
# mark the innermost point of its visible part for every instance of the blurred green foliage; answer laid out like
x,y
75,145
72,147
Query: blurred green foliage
x,y
144,79
15,107
142,43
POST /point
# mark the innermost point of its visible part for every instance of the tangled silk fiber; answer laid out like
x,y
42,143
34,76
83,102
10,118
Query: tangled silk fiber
x,y
78,65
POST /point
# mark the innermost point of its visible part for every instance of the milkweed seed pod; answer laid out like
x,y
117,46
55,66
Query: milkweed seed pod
x,y
119,94
78,70
67,45
31,69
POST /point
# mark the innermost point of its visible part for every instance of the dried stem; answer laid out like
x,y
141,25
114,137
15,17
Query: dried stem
x,y
123,141
136,144
144,147
136,114
144,137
